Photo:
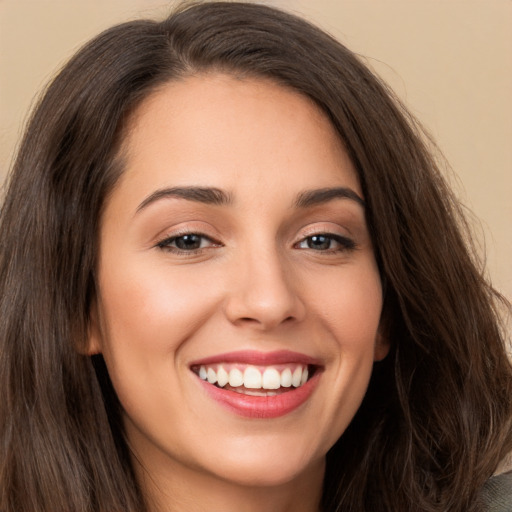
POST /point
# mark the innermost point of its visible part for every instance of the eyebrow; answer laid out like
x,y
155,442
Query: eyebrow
x,y
218,197
310,198
206,195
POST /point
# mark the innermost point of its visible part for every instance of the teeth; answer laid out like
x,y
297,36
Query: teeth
x,y
271,379
236,378
297,377
252,377
286,378
211,376
222,377
304,377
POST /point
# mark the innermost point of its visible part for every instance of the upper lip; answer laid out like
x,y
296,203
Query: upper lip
x,y
258,358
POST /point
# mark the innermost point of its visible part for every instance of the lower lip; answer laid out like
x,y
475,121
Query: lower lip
x,y
263,407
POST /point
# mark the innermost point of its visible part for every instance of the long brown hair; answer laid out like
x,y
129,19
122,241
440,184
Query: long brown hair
x,y
437,416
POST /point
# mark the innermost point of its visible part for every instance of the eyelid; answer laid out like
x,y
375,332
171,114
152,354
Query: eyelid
x,y
330,230
345,242
186,227
324,228
174,236
164,240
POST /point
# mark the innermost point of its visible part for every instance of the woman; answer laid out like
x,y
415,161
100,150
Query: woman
x,y
234,279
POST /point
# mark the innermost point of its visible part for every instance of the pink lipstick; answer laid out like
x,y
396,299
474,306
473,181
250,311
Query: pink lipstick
x,y
259,384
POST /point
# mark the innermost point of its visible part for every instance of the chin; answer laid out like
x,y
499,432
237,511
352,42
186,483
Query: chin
x,y
267,470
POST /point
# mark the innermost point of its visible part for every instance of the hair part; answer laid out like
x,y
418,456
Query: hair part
x,y
437,416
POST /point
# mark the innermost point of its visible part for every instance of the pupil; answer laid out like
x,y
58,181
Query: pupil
x,y
188,242
319,242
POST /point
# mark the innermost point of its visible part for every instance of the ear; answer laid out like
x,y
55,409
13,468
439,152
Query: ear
x,y
381,348
93,343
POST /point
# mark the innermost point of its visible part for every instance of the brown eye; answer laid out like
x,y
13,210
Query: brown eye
x,y
188,242
319,242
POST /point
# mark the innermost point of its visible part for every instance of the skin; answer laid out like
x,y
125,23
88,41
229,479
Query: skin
x,y
255,283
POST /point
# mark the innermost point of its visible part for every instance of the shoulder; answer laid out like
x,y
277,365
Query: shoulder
x,y
497,493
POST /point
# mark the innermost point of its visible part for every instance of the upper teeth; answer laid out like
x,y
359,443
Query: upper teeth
x,y
254,377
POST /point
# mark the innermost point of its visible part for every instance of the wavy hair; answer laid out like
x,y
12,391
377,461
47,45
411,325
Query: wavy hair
x,y
437,416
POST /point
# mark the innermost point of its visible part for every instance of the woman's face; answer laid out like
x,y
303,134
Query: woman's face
x,y
235,249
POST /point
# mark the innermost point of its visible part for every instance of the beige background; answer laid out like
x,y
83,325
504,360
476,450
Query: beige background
x,y
450,61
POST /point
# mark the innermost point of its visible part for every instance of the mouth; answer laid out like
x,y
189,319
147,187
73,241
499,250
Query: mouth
x,y
259,385
253,380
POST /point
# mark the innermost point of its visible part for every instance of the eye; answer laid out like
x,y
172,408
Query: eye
x,y
327,242
188,242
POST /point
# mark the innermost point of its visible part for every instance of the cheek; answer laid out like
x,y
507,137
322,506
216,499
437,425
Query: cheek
x,y
350,304
153,305
148,312
147,315
349,312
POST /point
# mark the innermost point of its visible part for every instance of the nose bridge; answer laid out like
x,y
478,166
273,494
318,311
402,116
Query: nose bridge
x,y
263,292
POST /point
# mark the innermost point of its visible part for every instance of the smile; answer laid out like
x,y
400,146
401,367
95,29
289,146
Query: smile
x,y
259,385
247,378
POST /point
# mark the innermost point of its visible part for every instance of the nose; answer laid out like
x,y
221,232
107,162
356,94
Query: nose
x,y
263,293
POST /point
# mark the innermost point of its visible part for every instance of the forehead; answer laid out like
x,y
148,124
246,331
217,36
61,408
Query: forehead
x,y
219,130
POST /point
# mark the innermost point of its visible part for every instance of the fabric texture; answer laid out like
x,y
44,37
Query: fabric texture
x,y
497,493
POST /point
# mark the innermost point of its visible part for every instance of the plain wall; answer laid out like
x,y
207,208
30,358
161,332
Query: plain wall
x,y
449,60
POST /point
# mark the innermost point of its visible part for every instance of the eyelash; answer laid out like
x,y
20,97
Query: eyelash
x,y
165,244
344,244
